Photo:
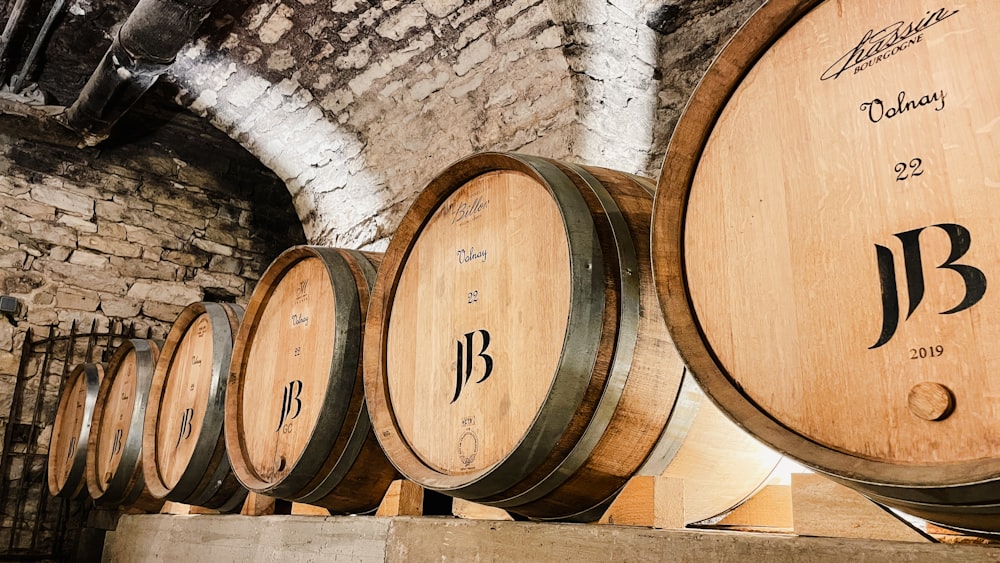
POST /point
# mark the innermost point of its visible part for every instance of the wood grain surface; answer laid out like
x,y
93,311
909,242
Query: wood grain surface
x,y
116,420
719,464
297,426
502,273
114,450
184,456
823,238
430,412
290,354
187,387
71,430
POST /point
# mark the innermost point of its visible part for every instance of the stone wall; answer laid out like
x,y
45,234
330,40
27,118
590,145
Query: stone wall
x,y
135,230
357,105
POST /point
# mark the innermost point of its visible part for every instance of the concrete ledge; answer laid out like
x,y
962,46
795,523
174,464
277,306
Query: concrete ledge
x,y
246,539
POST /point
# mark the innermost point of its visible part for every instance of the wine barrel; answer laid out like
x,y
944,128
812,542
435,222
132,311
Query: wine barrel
x,y
114,450
184,449
515,352
823,238
297,426
68,450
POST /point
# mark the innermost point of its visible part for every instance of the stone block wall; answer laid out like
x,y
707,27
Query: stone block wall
x,y
357,105
133,232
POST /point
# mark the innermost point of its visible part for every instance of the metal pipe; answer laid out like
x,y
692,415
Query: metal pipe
x,y
145,47
18,80
20,7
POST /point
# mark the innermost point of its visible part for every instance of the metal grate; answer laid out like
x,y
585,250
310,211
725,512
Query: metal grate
x,y
35,525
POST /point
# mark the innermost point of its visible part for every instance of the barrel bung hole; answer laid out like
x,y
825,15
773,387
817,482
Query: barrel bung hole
x,y
931,401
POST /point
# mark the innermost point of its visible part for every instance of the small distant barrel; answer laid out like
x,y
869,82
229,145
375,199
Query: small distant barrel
x,y
297,425
114,451
184,449
515,352
71,431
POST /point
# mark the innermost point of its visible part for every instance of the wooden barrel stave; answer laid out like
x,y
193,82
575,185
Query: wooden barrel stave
x,y
344,471
617,440
950,492
220,489
718,463
604,385
574,468
567,391
200,475
66,475
311,461
352,470
560,413
122,483
362,488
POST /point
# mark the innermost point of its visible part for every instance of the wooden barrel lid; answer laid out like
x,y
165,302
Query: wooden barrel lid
x,y
114,451
68,451
484,250
823,238
295,416
487,283
184,456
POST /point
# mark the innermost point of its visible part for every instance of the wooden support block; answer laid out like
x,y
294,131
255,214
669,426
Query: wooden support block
x,y
300,509
648,500
473,511
770,508
936,530
404,498
258,505
821,507
174,508
179,508
946,535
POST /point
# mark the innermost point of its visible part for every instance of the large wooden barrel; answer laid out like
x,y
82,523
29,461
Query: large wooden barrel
x,y
297,426
184,447
824,238
515,352
68,449
114,451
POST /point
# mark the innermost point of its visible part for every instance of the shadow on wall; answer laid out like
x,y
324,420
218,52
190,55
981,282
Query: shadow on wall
x,y
157,122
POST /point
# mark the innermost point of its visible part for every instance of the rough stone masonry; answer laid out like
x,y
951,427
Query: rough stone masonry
x,y
134,232
357,105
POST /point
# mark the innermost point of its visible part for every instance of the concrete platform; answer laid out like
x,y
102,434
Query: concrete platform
x,y
246,539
